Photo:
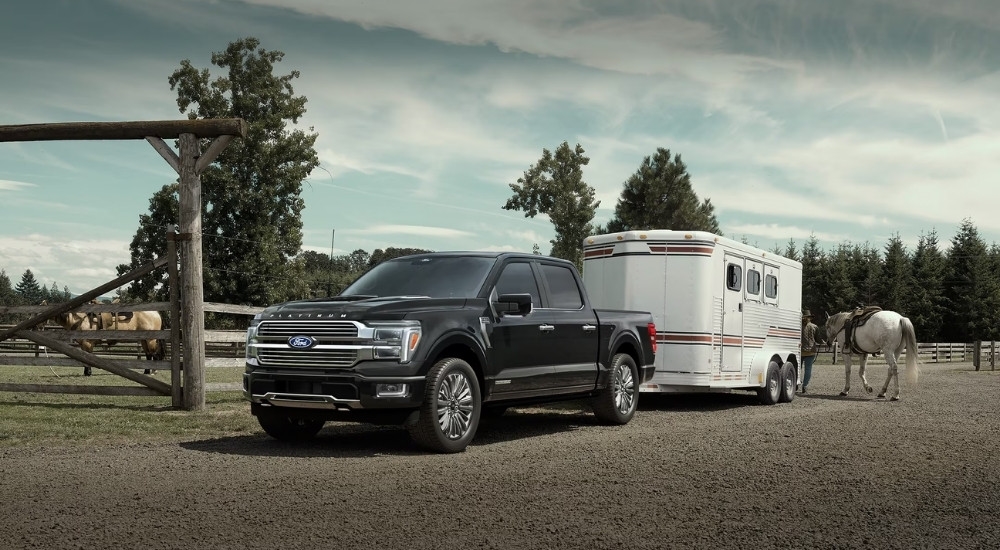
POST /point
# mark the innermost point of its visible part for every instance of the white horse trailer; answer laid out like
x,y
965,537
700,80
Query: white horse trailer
x,y
728,315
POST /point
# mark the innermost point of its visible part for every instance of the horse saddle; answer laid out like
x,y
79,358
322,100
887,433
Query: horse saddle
x,y
858,319
124,316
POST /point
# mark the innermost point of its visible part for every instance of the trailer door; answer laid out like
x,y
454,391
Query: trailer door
x,y
732,314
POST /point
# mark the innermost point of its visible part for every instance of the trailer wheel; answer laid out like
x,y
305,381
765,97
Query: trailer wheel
x,y
449,415
771,392
617,402
283,427
788,383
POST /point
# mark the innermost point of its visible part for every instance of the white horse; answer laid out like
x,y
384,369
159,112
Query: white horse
x,y
885,331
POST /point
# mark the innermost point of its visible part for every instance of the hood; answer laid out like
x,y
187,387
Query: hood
x,y
359,307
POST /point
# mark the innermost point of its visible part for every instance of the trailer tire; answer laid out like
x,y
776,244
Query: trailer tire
x,y
450,413
617,402
788,383
771,392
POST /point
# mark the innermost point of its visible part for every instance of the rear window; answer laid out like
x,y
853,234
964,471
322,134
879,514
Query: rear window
x,y
564,293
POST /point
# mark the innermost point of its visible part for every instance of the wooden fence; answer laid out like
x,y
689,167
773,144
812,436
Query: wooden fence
x,y
223,348
981,354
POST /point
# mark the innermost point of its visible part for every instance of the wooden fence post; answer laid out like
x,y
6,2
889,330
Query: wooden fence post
x,y
176,393
993,354
977,348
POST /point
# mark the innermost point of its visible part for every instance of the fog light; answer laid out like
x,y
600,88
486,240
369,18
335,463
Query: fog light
x,y
391,390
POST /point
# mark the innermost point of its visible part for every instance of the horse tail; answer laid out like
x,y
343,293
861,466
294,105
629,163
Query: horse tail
x,y
910,338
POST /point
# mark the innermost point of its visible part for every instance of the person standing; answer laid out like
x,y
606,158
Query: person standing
x,y
807,347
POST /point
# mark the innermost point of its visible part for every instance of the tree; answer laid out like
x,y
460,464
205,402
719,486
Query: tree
x,y
555,187
968,284
896,281
927,301
28,289
659,196
379,255
814,285
8,296
842,291
251,196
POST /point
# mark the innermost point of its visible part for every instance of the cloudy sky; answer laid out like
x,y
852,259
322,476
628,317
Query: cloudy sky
x,y
851,120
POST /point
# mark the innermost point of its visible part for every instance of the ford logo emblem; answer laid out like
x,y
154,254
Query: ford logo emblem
x,y
301,342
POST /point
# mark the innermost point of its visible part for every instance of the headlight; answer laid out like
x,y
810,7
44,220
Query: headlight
x,y
396,340
251,345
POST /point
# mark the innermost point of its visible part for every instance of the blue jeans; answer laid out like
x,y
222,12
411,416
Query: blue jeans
x,y
807,369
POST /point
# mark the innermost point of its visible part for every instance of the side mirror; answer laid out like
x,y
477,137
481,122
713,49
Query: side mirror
x,y
513,304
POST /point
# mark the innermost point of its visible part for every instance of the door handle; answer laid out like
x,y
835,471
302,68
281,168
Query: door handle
x,y
589,328
546,328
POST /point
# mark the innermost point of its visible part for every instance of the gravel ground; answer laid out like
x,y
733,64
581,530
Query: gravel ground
x,y
709,471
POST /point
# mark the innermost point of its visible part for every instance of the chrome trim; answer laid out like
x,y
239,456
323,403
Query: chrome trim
x,y
306,401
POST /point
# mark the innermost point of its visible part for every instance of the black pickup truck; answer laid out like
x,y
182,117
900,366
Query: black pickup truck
x,y
436,341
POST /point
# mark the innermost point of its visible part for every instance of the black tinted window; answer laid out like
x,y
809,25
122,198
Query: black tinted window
x,y
432,276
563,290
517,278
753,282
734,276
771,286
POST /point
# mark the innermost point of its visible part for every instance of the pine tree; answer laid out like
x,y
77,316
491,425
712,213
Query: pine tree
x,y
896,283
28,289
927,302
968,284
659,196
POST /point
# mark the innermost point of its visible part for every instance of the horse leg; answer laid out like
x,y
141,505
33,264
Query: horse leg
x,y
861,373
890,359
847,374
148,349
88,347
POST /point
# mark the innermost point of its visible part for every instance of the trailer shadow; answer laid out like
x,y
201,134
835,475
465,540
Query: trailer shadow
x,y
353,440
694,402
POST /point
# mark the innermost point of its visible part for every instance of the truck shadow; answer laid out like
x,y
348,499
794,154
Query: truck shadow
x,y
353,440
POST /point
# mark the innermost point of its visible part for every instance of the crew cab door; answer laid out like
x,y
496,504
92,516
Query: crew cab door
x,y
572,345
518,341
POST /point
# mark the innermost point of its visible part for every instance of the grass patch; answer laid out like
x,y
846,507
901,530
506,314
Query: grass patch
x,y
28,419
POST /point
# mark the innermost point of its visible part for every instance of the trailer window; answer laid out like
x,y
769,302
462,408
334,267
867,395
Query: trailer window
x,y
734,276
753,283
771,286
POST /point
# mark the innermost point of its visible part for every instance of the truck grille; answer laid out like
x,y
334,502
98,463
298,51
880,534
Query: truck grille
x,y
307,357
321,331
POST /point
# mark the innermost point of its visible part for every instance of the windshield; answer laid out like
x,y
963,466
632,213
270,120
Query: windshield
x,y
431,276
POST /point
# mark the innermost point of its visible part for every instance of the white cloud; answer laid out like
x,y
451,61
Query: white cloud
x,y
423,231
80,264
8,185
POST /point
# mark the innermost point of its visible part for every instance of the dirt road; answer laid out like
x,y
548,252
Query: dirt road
x,y
688,472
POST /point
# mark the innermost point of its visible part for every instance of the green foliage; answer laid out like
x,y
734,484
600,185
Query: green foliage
x,y
251,211
28,290
659,196
895,286
328,277
554,186
969,283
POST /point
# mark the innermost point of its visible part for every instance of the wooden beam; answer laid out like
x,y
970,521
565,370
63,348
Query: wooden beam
x,y
91,390
192,324
166,152
93,308
206,158
90,359
164,129
60,361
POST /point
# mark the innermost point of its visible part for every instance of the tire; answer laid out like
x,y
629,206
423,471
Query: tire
x,y
771,391
617,402
452,406
789,381
283,427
